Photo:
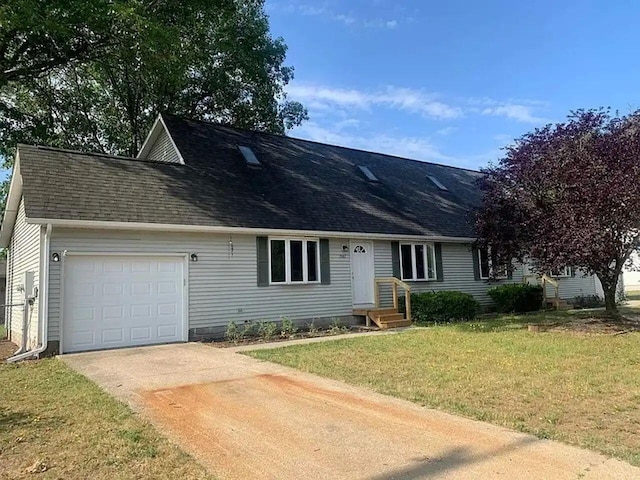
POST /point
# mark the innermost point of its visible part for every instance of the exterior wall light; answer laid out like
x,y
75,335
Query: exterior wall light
x,y
55,257
194,257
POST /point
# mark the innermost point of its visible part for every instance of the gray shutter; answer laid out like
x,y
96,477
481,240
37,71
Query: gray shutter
x,y
395,258
325,263
510,271
438,251
476,262
573,271
262,250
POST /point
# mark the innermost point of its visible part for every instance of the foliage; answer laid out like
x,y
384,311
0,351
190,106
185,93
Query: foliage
x,y
249,329
568,194
336,327
232,332
37,36
588,301
203,59
287,327
516,297
312,328
267,330
443,306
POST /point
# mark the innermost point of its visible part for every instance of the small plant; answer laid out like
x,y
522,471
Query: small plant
x,y
287,327
336,327
249,329
588,301
233,333
517,297
313,329
267,330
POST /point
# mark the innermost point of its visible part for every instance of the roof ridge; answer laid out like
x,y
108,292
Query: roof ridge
x,y
398,157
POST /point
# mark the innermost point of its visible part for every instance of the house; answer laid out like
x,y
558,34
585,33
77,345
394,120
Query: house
x,y
212,224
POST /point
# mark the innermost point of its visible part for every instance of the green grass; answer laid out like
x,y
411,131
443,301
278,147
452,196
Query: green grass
x,y
580,389
51,416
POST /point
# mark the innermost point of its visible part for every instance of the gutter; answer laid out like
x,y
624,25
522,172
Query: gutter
x,y
166,227
43,298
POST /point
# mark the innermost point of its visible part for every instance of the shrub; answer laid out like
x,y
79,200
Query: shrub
x,y
267,330
287,327
516,297
249,329
336,327
588,301
233,332
445,306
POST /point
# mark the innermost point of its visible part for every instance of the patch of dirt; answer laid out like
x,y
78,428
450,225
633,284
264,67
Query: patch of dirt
x,y
6,349
596,326
297,336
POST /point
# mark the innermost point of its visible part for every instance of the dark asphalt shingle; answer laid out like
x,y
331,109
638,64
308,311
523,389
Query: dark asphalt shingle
x,y
302,185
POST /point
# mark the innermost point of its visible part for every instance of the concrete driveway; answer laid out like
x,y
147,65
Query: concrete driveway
x,y
248,419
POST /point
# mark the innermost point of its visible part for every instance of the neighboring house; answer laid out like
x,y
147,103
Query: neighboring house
x,y
631,275
211,224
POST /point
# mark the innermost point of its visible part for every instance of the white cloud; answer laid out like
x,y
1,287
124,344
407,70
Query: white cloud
x,y
314,10
520,113
416,148
392,24
446,131
414,101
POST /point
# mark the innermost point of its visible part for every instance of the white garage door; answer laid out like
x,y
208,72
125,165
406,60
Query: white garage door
x,y
119,301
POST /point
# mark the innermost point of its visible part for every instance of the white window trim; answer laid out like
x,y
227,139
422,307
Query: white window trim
x,y
566,273
426,247
287,260
490,263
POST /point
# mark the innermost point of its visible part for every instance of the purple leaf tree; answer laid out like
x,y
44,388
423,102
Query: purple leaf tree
x,y
568,195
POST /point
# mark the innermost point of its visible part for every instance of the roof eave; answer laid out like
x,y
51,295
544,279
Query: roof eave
x,y
12,205
99,224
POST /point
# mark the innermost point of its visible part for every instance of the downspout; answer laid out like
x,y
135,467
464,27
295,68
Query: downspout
x,y
43,311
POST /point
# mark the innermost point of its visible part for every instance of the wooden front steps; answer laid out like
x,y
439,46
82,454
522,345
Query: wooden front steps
x,y
384,318
557,304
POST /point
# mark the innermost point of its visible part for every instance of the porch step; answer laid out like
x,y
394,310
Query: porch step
x,y
388,317
561,304
395,324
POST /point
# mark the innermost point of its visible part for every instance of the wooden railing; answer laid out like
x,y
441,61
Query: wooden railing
x,y
395,283
555,284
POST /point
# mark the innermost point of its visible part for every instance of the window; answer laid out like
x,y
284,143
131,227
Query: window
x,y
561,273
487,267
417,261
294,260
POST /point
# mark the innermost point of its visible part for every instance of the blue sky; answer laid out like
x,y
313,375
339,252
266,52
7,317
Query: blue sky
x,y
453,81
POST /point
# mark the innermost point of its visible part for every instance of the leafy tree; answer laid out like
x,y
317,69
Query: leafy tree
x,y
39,35
568,195
203,59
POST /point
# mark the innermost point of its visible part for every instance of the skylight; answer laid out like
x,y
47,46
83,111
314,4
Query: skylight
x,y
437,183
249,156
368,173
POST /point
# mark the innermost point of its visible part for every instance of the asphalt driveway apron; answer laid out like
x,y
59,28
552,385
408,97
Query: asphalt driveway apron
x,y
247,419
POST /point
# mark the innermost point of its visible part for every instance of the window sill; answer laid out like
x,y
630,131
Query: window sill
x,y
419,280
291,284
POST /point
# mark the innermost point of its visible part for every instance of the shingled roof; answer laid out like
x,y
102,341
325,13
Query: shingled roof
x,y
301,185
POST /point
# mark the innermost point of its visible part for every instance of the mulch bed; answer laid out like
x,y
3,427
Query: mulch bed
x,y
6,349
592,326
297,336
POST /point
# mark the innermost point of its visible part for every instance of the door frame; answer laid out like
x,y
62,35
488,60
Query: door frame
x,y
353,242
185,285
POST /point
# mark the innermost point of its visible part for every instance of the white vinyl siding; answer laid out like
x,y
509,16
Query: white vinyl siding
x,y
571,287
222,283
23,256
163,150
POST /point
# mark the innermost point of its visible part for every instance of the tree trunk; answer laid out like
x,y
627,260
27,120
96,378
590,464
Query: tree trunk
x,y
610,286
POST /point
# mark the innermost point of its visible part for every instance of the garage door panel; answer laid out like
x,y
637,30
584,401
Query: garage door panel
x,y
122,301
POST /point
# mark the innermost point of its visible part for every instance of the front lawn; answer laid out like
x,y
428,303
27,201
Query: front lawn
x,y
579,388
57,424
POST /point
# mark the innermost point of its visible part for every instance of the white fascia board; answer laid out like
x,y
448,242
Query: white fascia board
x,y
158,127
13,204
237,230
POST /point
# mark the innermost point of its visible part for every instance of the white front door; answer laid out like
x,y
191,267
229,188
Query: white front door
x,y
362,272
118,301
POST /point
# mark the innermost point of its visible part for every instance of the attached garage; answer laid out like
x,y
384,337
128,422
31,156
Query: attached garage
x,y
112,301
